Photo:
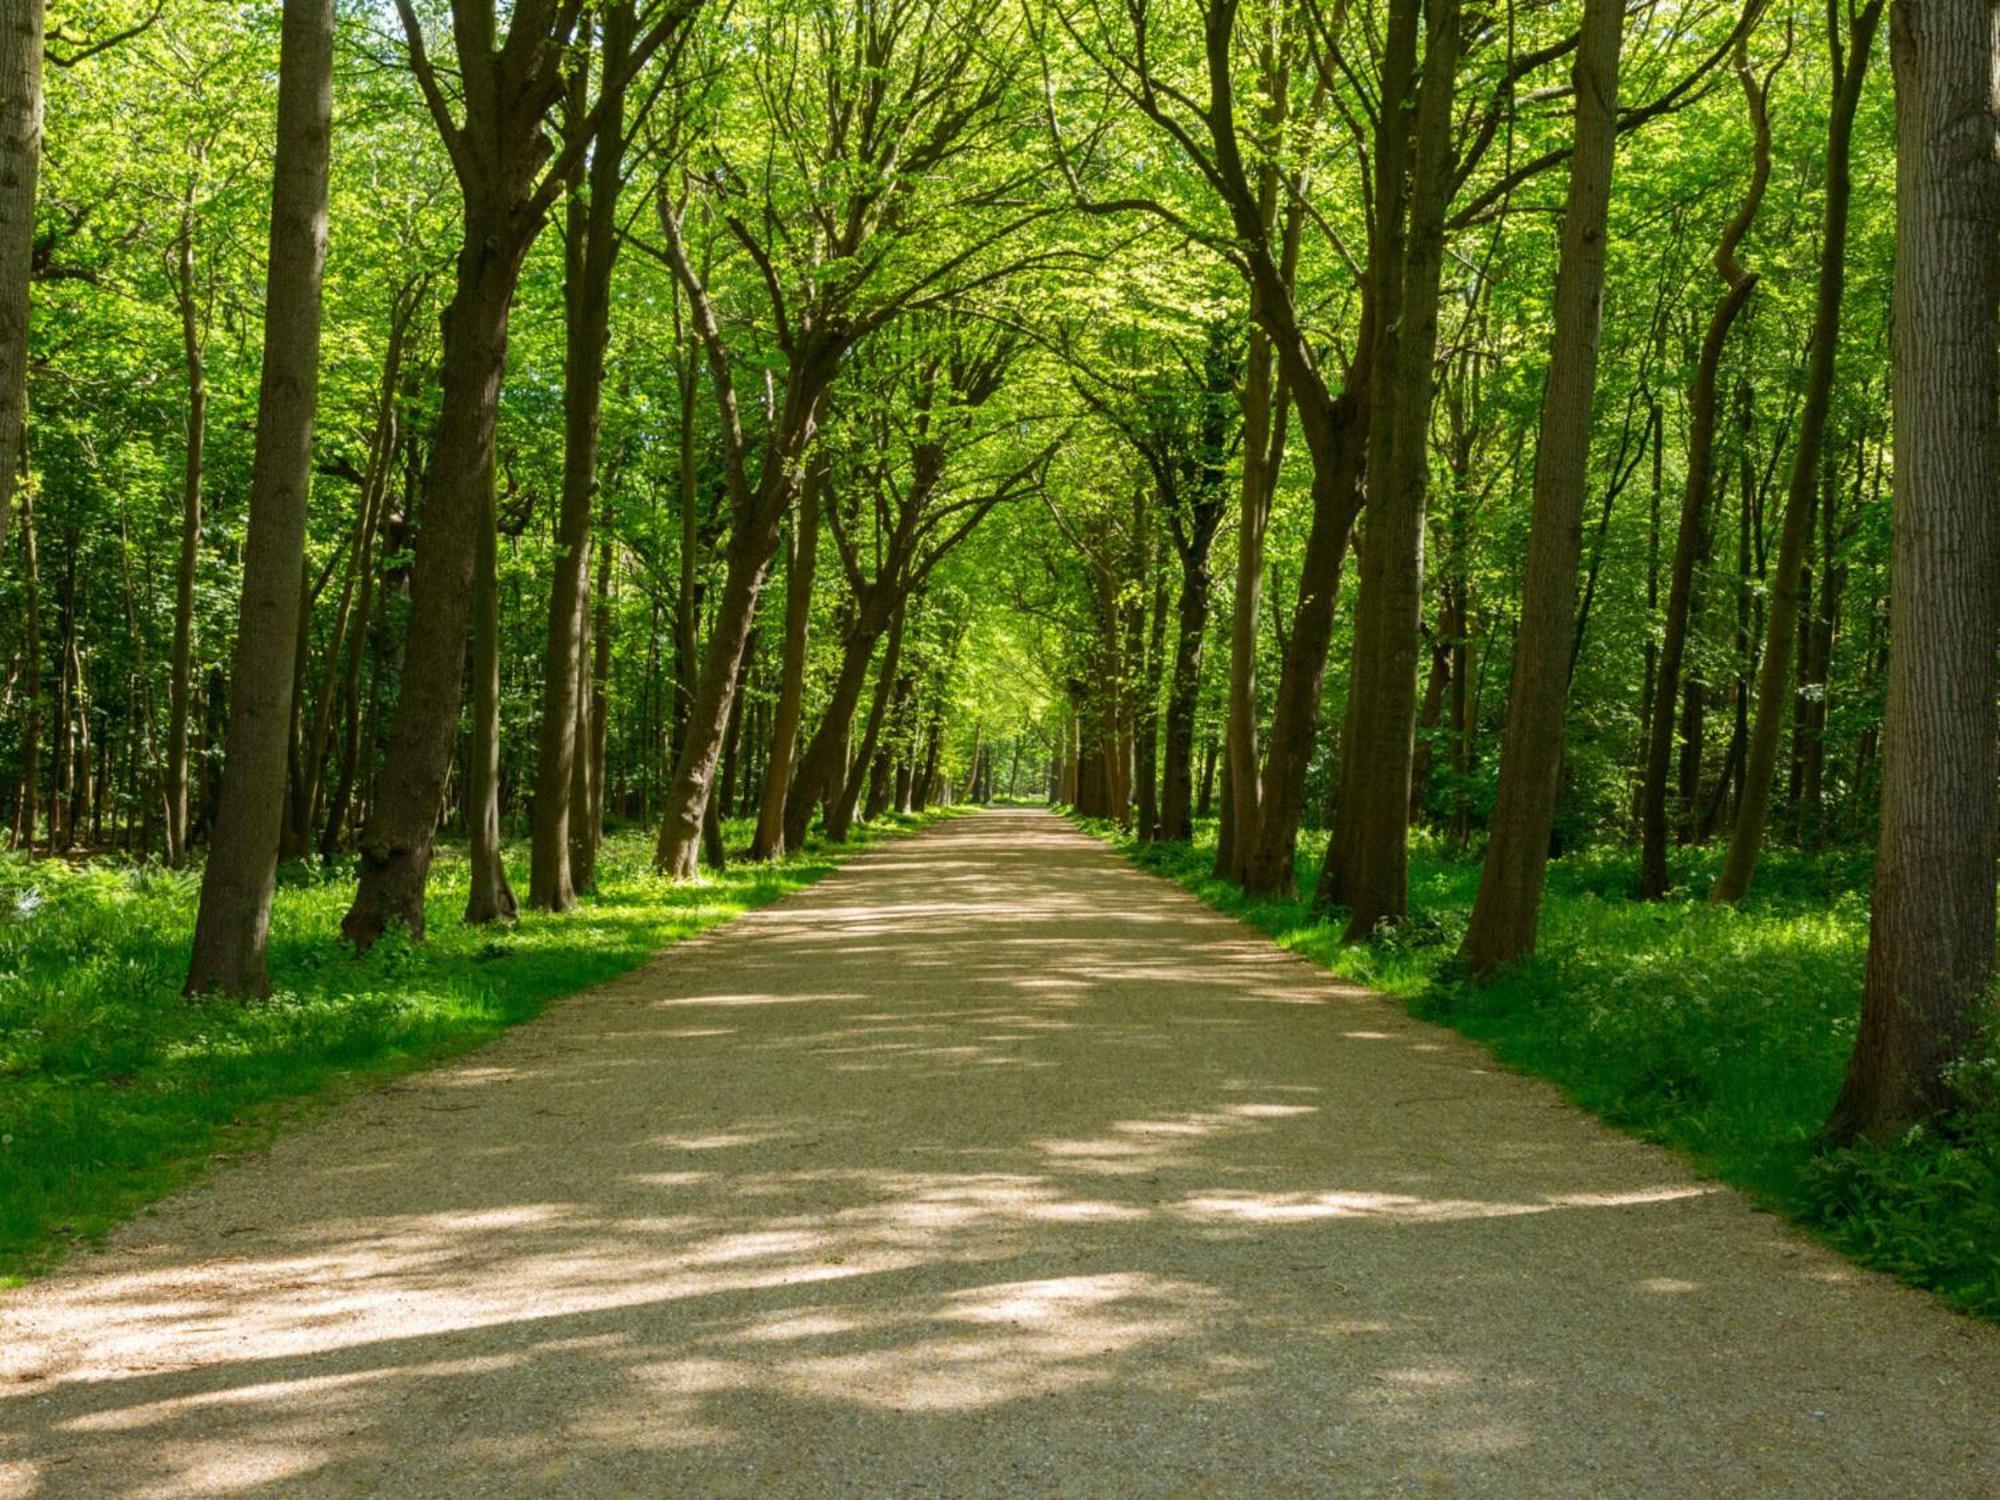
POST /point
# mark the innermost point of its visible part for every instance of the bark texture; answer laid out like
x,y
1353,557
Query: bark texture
x,y
1930,940
591,249
234,918
1509,900
20,166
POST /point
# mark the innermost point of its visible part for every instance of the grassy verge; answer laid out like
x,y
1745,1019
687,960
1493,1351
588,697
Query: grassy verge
x,y
113,1090
1720,1033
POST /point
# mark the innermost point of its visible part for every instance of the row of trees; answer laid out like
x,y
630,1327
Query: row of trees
x,y
803,372
1417,205
1045,366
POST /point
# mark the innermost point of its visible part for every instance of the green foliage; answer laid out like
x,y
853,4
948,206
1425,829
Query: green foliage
x,y
1720,1033
114,1090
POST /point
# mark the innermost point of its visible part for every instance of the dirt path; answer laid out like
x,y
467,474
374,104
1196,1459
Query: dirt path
x,y
988,1166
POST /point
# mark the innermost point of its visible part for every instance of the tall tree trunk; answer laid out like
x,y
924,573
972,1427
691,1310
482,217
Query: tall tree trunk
x,y
924,785
1930,939
1802,492
490,898
1369,853
732,741
591,248
687,613
587,797
291,828
758,513
235,913
1509,900
773,839
179,693
869,763
747,559
1738,284
1253,517
1648,686
31,688
882,774
1145,719
821,770
399,838
1184,700
60,766
1811,713
20,163
1268,864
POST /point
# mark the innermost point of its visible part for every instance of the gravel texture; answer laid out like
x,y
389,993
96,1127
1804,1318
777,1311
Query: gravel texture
x,y
989,1166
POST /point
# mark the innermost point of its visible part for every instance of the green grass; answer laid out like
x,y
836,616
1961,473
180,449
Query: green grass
x,y
1720,1033
113,1090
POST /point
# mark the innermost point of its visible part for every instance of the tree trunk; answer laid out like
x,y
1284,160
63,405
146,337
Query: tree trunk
x,y
490,899
1145,718
1406,259
1811,713
821,771
1930,940
1184,701
29,802
591,248
235,913
586,824
20,163
748,558
1802,492
398,840
180,683
291,830
925,784
753,540
773,837
1509,899
60,768
840,816
882,775
1269,864
1738,284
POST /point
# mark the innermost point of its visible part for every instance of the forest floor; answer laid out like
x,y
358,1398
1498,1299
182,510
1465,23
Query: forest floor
x,y
988,1165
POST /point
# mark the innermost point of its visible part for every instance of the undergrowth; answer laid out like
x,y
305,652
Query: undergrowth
x,y
1722,1033
114,1090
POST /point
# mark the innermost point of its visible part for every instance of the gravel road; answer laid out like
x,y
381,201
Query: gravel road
x,y
989,1166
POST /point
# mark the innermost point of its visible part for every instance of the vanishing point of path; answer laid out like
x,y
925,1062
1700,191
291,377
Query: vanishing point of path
x,y
989,1166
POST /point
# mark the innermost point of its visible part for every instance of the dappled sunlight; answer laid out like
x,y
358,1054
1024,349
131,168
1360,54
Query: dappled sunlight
x,y
877,1181
1281,1207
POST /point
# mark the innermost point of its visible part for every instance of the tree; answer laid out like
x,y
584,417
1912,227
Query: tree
x,y
508,178
1738,283
1850,69
903,99
591,249
235,914
20,162
1931,917
800,567
1510,879
915,517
